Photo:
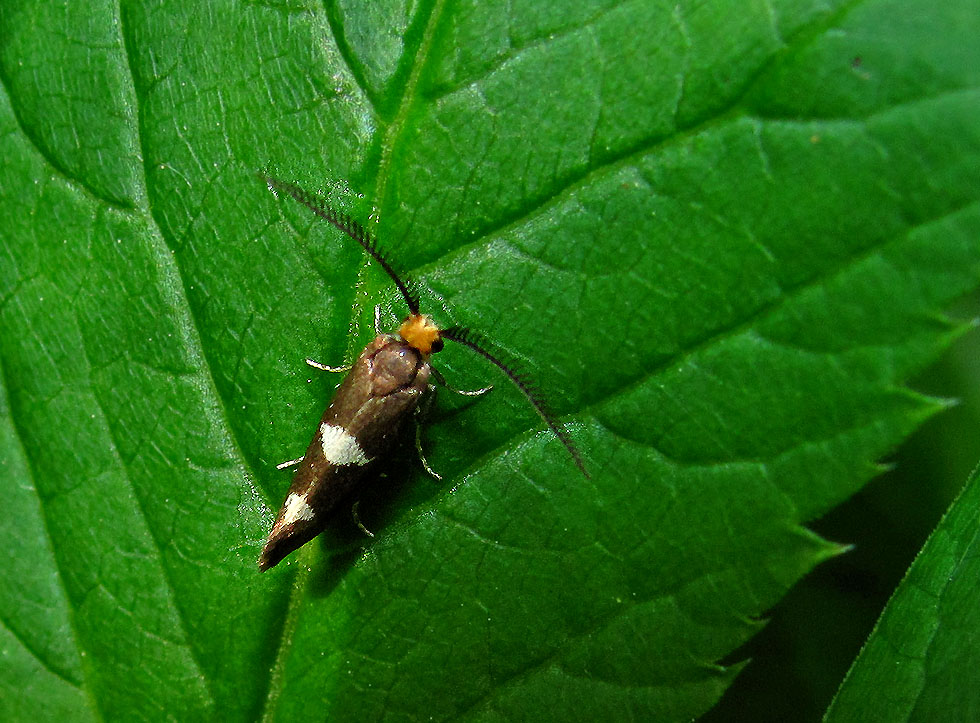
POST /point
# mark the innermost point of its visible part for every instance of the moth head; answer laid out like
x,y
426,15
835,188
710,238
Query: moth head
x,y
421,332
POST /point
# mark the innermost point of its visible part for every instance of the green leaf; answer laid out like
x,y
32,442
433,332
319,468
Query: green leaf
x,y
920,663
720,237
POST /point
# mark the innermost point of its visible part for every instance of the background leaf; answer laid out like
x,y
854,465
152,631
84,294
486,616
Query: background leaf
x,y
920,661
721,236
813,635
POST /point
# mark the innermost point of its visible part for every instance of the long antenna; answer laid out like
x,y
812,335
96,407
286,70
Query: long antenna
x,y
461,335
479,344
350,227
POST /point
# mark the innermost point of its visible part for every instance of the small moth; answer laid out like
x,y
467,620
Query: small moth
x,y
382,389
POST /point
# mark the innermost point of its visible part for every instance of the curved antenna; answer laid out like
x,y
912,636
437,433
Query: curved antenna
x,y
349,226
479,344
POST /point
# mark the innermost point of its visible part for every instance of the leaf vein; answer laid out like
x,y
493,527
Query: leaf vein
x,y
93,701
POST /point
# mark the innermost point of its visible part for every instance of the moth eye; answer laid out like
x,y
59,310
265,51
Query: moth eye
x,y
437,346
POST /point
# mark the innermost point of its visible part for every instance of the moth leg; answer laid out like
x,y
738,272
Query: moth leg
x,y
357,520
347,367
322,367
464,392
325,368
290,463
420,412
418,448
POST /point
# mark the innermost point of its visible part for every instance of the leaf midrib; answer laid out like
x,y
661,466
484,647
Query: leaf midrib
x,y
388,143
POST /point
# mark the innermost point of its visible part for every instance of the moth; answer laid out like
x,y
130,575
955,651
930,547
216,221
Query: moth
x,y
379,395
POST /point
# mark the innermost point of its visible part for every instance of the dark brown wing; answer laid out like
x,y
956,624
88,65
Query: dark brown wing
x,y
360,426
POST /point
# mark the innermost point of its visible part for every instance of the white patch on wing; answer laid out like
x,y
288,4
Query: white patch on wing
x,y
295,509
340,447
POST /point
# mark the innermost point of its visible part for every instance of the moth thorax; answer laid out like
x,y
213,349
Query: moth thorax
x,y
395,366
420,332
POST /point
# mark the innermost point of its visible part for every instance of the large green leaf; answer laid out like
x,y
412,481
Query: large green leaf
x,y
720,236
921,662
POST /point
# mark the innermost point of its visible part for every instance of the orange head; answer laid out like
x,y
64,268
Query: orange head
x,y
420,332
